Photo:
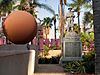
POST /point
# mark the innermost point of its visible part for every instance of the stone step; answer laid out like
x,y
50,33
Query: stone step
x,y
52,69
50,74
49,69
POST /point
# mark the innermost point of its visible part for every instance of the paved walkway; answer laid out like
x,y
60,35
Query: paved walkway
x,y
50,69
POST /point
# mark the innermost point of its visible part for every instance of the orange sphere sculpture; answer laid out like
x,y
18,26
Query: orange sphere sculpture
x,y
20,27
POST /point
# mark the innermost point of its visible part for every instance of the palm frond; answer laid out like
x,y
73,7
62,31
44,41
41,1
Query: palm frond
x,y
88,6
6,5
35,1
65,2
47,22
73,5
46,7
22,1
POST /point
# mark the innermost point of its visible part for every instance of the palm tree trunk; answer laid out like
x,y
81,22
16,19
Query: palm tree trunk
x,y
78,22
46,36
46,32
55,32
61,14
96,11
61,22
55,29
84,29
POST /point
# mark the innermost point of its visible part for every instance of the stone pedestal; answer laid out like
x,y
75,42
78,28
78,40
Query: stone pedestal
x,y
72,47
17,60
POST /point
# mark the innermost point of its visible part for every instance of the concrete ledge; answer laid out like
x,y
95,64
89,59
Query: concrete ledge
x,y
17,62
12,52
13,47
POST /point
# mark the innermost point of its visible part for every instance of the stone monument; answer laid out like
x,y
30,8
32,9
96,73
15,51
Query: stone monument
x,y
69,20
72,46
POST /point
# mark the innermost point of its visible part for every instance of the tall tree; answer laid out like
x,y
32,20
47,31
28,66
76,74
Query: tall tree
x,y
77,5
96,13
30,5
88,19
88,5
47,23
62,3
6,6
54,19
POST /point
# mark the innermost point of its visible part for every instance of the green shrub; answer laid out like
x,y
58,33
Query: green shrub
x,y
45,50
87,65
75,67
89,60
87,40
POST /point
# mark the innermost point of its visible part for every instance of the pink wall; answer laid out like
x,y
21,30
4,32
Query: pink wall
x,y
39,42
2,41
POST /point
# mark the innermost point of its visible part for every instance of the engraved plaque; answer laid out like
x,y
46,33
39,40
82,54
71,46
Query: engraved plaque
x,y
72,49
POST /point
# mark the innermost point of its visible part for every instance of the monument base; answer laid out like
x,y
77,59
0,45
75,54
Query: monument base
x,y
63,60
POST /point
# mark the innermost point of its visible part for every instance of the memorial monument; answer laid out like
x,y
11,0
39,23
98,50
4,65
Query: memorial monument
x,y
72,46
20,28
69,17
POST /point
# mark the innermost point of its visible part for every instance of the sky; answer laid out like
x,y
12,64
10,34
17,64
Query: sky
x,y
42,13
54,5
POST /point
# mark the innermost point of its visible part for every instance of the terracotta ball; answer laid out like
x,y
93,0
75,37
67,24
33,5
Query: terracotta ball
x,y
20,27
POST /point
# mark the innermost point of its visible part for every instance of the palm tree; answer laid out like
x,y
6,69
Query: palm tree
x,y
6,6
88,19
53,19
47,23
30,5
88,5
77,6
96,7
61,20
61,17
